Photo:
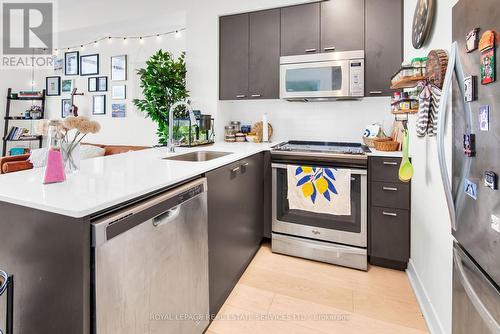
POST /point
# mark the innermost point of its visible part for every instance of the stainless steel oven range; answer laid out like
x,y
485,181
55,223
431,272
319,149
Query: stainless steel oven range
x,y
340,240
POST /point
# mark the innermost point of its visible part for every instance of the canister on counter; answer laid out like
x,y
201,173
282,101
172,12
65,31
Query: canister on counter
x,y
236,125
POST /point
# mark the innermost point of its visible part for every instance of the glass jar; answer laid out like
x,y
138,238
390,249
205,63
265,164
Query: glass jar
x,y
230,134
407,70
236,125
416,63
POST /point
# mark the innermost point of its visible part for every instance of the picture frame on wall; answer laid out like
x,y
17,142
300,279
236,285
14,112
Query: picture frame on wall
x,y
92,85
119,68
58,64
102,84
53,86
89,65
119,92
99,105
119,110
65,108
71,63
67,85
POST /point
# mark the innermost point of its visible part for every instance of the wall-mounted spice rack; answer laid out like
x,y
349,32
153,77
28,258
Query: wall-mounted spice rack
x,y
407,77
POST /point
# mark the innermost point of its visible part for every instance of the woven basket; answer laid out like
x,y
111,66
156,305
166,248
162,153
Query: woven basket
x,y
370,142
386,145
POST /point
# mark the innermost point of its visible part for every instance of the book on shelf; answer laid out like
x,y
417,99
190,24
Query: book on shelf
x,y
16,133
29,94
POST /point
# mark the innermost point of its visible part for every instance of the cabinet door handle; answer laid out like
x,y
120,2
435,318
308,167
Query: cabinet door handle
x,y
375,92
310,50
245,164
390,163
256,95
390,189
241,96
330,48
235,169
390,214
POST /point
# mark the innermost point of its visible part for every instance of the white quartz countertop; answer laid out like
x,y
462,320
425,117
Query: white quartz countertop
x,y
105,182
394,154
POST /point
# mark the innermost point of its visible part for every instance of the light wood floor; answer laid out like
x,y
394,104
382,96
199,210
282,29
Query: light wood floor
x,y
281,294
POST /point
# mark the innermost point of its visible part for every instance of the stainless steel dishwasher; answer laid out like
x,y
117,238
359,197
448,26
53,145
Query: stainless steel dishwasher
x,y
151,265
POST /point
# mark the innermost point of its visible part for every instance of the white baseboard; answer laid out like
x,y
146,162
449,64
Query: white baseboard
x,y
430,315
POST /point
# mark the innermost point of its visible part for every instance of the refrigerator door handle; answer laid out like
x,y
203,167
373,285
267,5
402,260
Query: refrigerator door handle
x,y
442,113
474,298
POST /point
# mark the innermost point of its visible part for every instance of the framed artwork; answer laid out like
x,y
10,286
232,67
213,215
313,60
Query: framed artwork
x,y
65,108
71,63
118,110
119,68
89,65
58,64
67,85
119,92
99,105
92,86
53,86
102,84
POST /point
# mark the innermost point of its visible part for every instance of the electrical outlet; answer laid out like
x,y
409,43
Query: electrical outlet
x,y
495,223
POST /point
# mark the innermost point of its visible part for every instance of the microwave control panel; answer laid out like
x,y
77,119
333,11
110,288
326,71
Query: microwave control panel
x,y
357,77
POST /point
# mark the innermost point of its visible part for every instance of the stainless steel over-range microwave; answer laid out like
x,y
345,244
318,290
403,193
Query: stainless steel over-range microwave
x,y
323,76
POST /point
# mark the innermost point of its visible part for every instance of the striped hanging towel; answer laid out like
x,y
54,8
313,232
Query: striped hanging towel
x,y
429,100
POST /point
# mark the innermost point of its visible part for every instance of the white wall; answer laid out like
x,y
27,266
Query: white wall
x,y
342,121
431,240
134,129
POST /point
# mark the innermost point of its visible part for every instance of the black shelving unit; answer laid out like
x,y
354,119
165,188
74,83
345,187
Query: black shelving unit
x,y
8,118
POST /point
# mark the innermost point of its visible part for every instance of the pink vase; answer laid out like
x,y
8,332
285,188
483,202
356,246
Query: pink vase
x,y
54,172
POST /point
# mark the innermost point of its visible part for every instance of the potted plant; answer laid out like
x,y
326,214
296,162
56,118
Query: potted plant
x,y
163,82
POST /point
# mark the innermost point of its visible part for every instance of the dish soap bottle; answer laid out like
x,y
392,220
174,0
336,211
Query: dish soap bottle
x,y
54,171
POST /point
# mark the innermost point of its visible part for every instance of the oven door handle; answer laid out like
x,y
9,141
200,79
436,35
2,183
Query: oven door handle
x,y
353,171
7,286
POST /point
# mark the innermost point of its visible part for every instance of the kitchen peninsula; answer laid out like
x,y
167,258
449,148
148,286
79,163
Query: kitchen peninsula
x,y
209,208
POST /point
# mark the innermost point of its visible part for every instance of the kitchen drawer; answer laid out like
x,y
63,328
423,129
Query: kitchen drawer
x,y
391,195
390,234
385,169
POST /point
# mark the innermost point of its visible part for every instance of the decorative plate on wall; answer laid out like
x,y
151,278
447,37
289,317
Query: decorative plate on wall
x,y
422,22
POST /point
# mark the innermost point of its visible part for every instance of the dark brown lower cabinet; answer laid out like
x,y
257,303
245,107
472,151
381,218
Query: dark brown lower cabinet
x,y
389,214
235,229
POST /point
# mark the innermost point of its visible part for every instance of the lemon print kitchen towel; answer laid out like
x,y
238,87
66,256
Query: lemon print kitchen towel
x,y
321,190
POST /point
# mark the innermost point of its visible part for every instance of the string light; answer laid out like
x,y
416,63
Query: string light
x,y
141,39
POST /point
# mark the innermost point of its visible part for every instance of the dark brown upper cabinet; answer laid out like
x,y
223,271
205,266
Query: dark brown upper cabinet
x,y
300,29
342,25
234,56
264,57
383,44
250,55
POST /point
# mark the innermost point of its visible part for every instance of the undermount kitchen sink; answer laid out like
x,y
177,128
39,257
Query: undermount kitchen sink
x,y
199,156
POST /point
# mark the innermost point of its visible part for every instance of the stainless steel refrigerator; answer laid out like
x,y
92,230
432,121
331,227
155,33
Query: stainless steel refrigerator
x,y
474,207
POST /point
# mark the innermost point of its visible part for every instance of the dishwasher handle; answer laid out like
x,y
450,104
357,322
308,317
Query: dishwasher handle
x,y
167,217
156,208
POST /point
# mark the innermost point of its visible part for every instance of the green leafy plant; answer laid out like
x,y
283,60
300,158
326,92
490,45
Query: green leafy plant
x,y
163,82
